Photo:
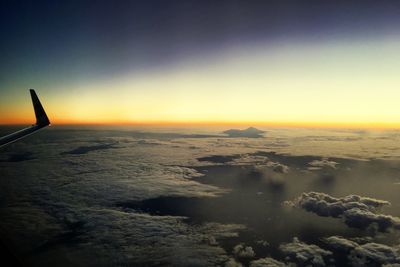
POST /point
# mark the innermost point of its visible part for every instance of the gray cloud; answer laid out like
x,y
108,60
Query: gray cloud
x,y
152,142
242,251
263,243
339,243
87,149
278,167
140,239
359,218
233,263
303,253
267,262
71,204
259,162
356,211
323,163
364,254
249,159
374,253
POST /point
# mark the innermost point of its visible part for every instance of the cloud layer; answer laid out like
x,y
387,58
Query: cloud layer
x,y
62,203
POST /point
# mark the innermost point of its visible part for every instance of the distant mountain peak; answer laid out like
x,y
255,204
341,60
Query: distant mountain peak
x,y
252,129
250,132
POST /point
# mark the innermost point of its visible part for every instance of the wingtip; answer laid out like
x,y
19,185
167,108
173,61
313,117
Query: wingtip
x,y
41,117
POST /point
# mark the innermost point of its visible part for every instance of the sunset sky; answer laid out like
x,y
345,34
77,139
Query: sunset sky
x,y
244,62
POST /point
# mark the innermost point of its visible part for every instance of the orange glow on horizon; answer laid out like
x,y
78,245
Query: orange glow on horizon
x,y
20,120
327,85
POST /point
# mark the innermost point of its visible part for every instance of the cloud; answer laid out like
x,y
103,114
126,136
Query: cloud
x,y
356,211
323,163
278,167
364,254
258,161
233,263
374,253
219,158
152,142
248,159
263,243
242,251
87,149
267,262
136,180
339,243
77,213
237,159
72,203
305,254
359,218
139,240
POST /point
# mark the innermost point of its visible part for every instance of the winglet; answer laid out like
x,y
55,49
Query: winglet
x,y
41,117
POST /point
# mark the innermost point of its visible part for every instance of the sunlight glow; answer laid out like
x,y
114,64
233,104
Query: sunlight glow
x,y
333,83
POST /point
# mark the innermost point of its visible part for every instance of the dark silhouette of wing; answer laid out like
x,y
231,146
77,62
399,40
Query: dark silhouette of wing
x,y
41,121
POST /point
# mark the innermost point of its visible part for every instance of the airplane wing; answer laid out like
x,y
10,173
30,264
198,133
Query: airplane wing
x,y
41,121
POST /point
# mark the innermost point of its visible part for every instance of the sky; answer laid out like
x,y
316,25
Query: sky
x,y
239,62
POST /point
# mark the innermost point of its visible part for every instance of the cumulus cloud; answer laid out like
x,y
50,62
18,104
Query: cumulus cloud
x,y
278,167
249,159
359,218
365,254
262,243
267,262
356,211
374,253
242,251
258,161
233,263
341,244
303,253
323,163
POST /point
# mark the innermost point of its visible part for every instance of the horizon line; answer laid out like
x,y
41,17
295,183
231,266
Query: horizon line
x,y
283,124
